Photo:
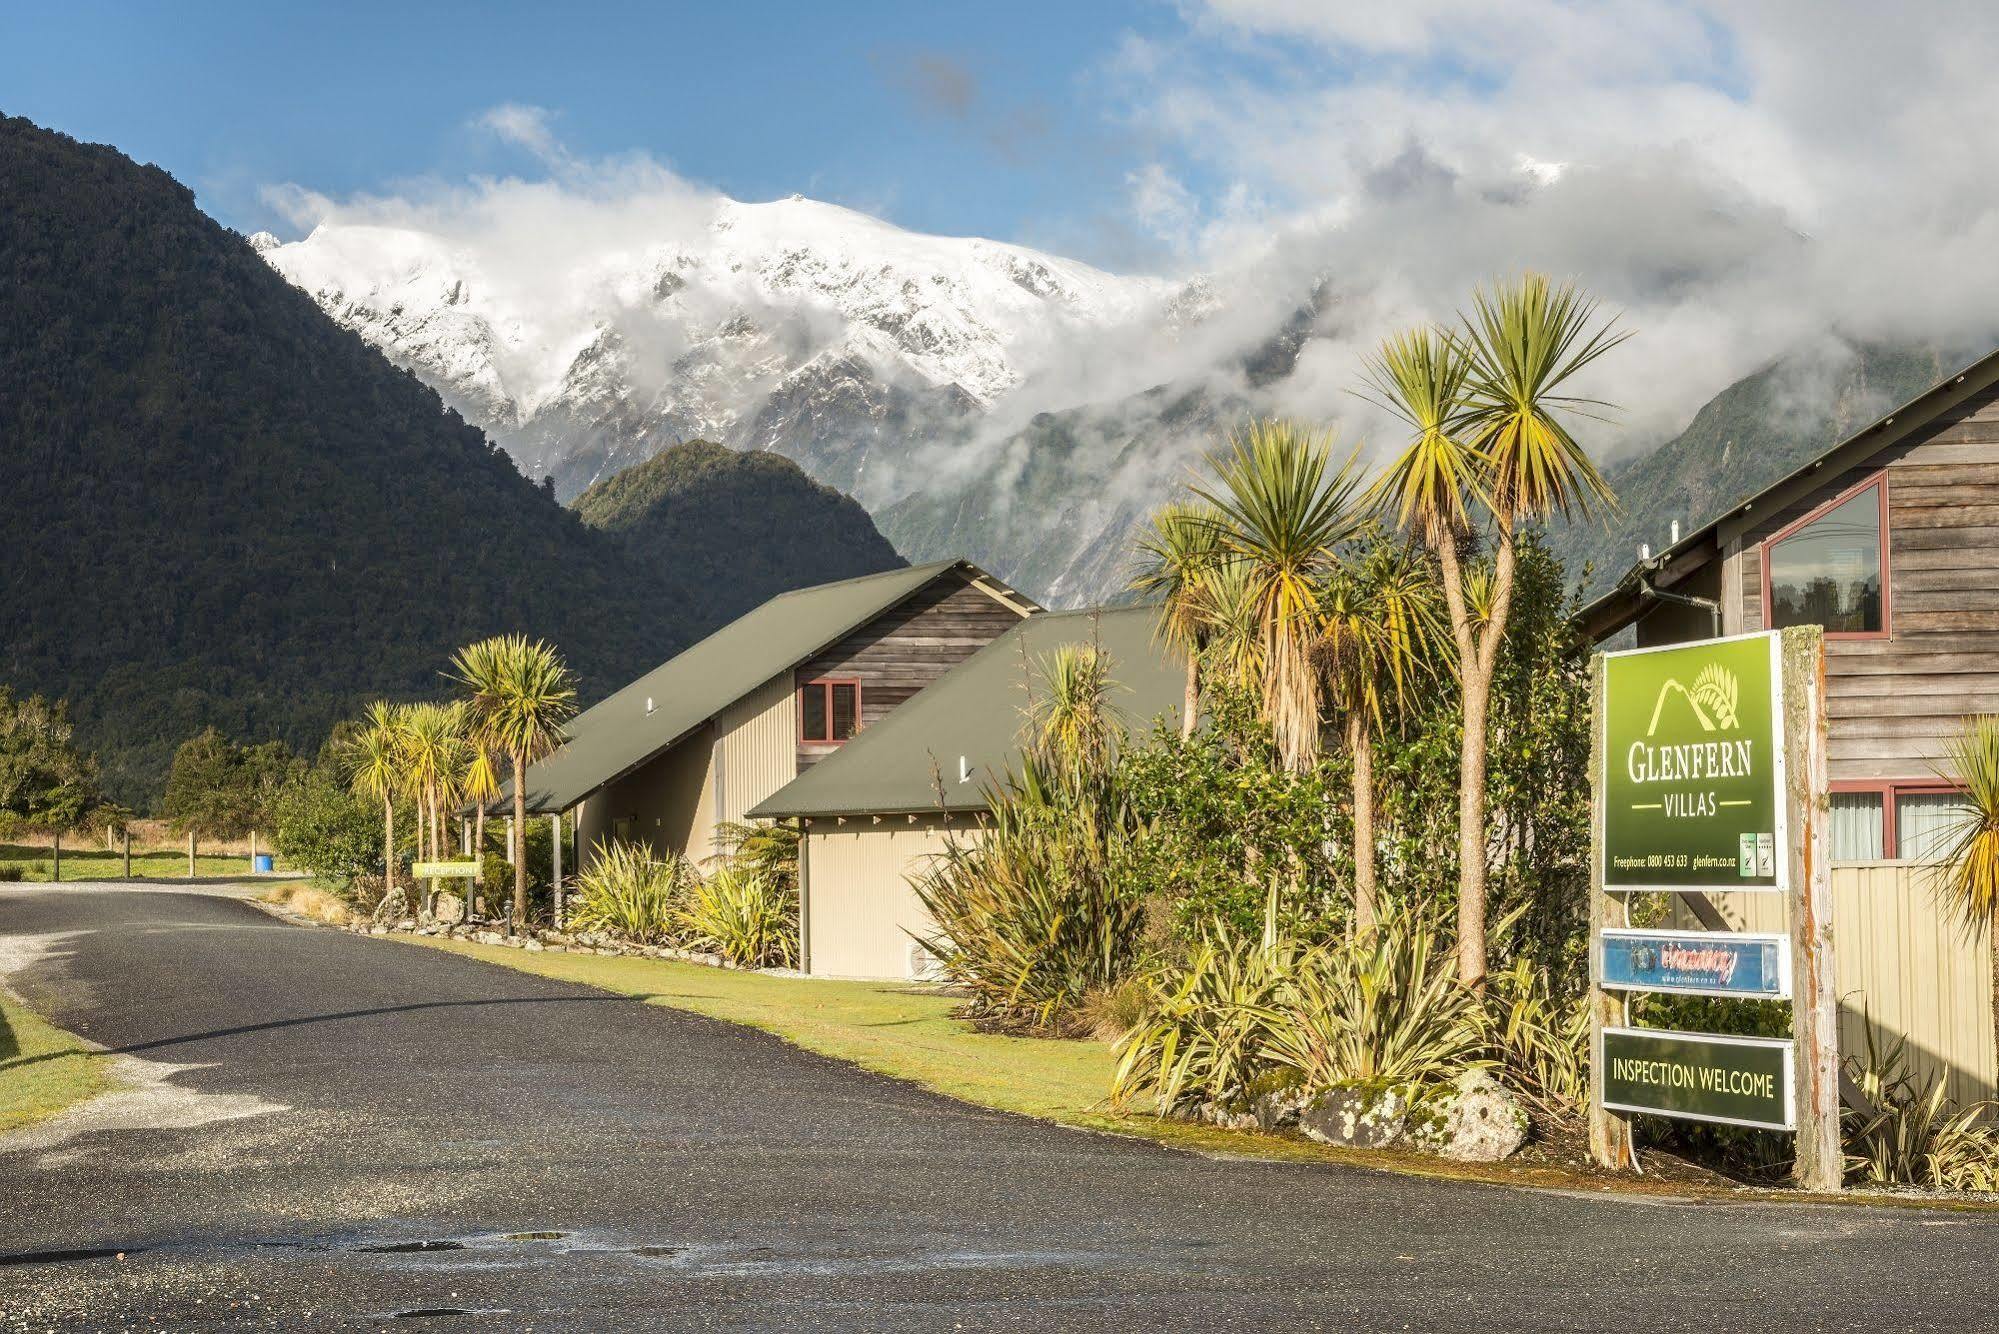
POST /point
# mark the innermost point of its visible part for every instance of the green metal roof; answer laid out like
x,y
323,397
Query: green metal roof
x,y
611,738
966,727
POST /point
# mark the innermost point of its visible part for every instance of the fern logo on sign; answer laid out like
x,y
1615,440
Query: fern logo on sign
x,y
1692,769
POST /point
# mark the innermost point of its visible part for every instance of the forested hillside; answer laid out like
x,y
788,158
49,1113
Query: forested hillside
x,y
731,528
223,509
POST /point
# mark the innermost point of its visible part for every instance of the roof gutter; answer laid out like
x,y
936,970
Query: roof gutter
x,y
1712,606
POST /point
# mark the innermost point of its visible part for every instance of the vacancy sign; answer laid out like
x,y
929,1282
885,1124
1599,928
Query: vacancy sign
x,y
1693,766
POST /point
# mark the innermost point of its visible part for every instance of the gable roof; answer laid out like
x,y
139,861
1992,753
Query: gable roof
x,y
1641,584
616,735
967,726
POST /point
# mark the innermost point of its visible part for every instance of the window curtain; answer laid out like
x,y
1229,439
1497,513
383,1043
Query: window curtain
x,y
1924,824
1856,826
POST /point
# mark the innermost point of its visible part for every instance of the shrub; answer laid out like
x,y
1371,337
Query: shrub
x,y
1915,1136
1207,1037
12,873
768,849
627,892
1108,1013
1539,1041
1386,1010
320,826
1037,913
744,914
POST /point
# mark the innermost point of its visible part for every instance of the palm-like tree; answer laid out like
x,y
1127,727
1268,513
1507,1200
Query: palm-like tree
x,y
1075,725
1486,404
1378,626
1281,513
1969,869
1176,556
435,761
521,706
478,669
376,767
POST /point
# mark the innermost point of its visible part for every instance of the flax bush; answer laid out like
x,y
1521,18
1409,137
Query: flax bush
x,y
1915,1136
629,892
745,913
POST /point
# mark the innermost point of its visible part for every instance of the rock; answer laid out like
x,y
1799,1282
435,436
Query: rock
x,y
1279,1109
1482,1122
378,930
1358,1116
533,946
1217,1115
449,908
406,924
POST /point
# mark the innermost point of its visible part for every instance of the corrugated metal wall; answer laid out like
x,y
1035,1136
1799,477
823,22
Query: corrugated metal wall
x,y
756,752
859,906
1903,961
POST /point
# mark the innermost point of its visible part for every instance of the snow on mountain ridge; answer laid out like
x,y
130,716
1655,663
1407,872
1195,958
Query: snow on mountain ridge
x,y
594,354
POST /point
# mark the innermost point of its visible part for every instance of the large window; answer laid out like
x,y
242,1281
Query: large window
x,y
1830,569
1912,821
829,710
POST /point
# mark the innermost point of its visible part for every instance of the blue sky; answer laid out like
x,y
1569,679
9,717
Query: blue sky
x,y
960,118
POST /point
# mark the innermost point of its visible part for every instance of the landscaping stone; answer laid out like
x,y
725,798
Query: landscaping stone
x,y
533,946
450,907
1482,1122
1359,1118
1279,1109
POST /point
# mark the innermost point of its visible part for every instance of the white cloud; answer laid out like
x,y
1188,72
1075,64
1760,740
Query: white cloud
x,y
1738,178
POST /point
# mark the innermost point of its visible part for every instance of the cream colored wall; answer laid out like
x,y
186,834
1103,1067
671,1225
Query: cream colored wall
x,y
669,801
1902,962
859,907
757,748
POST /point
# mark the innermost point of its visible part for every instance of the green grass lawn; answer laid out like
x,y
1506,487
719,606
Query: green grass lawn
x,y
92,862
42,1068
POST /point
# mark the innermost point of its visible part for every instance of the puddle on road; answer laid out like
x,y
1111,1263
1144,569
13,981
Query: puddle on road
x,y
65,1257
410,1247
534,1236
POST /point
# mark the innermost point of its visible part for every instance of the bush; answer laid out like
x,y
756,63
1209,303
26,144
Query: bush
x,y
626,892
1915,1136
1241,1017
745,914
319,826
1039,912
1539,1040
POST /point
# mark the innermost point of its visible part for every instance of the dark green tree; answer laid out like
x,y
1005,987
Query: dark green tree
x,y
46,784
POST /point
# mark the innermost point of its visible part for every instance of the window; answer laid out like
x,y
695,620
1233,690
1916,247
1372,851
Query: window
x,y
829,711
1912,821
1830,568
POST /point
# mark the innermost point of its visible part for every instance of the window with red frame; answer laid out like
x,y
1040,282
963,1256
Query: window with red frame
x,y
1894,821
829,711
1831,567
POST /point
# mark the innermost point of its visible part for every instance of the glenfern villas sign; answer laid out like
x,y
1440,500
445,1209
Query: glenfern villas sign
x,y
1693,766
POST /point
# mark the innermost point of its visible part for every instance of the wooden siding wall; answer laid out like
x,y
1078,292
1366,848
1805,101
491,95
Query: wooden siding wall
x,y
908,647
1903,964
1892,702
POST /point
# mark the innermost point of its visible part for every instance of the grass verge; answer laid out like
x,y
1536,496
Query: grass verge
x,y
43,1069
91,862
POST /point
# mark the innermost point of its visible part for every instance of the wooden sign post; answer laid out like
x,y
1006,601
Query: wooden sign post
x,y
1708,765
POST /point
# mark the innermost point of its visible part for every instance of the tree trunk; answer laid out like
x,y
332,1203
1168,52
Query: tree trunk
x,y
127,842
1471,833
1192,709
520,830
190,854
1366,912
55,855
388,847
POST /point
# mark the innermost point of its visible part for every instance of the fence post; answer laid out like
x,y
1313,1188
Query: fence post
x,y
555,842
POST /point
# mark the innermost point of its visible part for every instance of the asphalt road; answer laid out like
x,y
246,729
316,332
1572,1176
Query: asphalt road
x,y
407,1131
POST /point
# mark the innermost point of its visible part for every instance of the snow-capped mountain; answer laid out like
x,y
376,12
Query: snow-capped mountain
x,y
813,330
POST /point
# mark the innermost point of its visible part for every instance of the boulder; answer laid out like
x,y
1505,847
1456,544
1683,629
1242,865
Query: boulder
x,y
1481,1122
1279,1109
1358,1116
449,907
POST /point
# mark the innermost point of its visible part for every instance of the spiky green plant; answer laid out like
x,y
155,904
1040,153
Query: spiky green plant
x,y
1176,553
747,916
1386,1010
1283,509
1070,716
768,849
1539,1041
376,763
628,891
1488,404
521,703
1914,1135
1968,873
1208,1034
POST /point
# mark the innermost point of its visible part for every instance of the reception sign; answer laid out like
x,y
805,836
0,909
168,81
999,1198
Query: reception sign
x,y
445,870
1696,963
1693,766
1699,1077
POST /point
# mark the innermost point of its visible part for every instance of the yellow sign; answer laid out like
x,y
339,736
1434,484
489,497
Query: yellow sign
x,y
445,870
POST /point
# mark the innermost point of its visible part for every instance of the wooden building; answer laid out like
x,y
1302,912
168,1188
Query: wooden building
x,y
699,740
1890,540
876,815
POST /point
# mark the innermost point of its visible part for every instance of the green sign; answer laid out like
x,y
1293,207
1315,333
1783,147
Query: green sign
x,y
445,870
1699,1077
1693,766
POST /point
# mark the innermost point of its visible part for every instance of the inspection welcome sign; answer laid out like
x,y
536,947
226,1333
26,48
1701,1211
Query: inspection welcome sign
x,y
1693,766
